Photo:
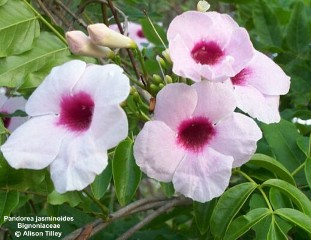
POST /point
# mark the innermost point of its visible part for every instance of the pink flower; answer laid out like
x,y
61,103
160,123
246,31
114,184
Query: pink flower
x,y
195,139
257,88
75,119
9,106
208,46
135,32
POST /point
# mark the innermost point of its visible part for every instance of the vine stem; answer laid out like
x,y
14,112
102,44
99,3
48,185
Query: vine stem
x,y
61,37
298,169
104,209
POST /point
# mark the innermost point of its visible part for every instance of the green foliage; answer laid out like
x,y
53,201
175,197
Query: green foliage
x,y
126,174
101,182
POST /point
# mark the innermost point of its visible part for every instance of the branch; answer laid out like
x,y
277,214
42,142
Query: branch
x,y
135,207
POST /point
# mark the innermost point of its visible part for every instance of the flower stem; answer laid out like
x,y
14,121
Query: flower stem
x,y
61,37
103,208
298,169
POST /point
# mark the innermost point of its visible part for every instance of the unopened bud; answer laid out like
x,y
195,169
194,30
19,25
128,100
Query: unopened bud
x,y
166,55
102,35
203,6
157,79
161,61
80,44
168,79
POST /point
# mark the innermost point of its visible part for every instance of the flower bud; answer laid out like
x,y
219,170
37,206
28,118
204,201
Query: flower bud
x,y
166,55
156,79
203,6
102,35
81,44
168,79
161,61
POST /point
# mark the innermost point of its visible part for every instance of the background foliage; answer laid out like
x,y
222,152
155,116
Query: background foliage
x,y
268,198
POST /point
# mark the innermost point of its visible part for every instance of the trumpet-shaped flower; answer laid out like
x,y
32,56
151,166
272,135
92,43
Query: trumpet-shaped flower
x,y
258,86
81,44
102,35
9,106
195,139
75,119
135,32
208,46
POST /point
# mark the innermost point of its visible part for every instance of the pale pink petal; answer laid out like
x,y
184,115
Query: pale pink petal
x,y
78,162
267,76
203,177
215,100
156,151
175,102
184,65
3,99
240,48
236,136
46,99
105,83
257,105
109,125
34,144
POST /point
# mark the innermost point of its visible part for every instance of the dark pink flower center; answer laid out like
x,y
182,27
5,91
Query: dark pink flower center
x,y
6,120
140,33
76,111
208,53
195,133
241,77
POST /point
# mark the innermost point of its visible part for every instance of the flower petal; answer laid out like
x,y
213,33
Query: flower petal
x,y
109,125
203,177
257,105
175,102
236,136
46,98
77,163
267,76
215,100
106,83
156,152
35,144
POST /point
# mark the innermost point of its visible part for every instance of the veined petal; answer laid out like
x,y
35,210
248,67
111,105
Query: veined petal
x,y
267,76
78,162
175,102
109,125
236,136
106,83
257,105
215,100
46,98
35,144
203,177
156,151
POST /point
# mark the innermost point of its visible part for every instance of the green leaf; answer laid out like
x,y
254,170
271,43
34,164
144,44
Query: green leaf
x,y
279,200
2,2
202,214
72,198
168,189
281,137
228,206
272,165
126,174
266,25
47,48
18,28
296,217
151,35
8,202
101,182
298,31
275,232
301,200
243,224
308,171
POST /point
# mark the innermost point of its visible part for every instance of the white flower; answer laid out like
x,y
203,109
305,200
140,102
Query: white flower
x,y
75,119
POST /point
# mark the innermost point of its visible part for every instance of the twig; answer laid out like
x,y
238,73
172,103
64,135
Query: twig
x,y
156,213
138,206
46,11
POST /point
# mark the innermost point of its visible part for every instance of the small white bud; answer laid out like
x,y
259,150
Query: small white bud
x,y
80,44
102,35
203,6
